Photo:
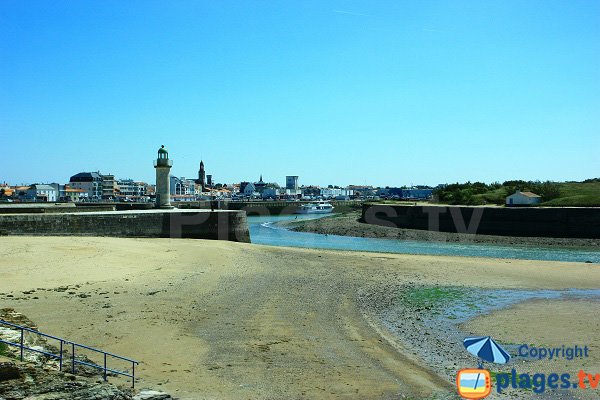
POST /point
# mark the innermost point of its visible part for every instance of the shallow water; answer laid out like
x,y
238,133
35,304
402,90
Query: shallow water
x,y
433,329
264,230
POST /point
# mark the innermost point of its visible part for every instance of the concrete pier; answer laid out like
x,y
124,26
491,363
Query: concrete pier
x,y
195,224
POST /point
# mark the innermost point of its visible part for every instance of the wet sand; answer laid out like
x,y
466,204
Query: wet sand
x,y
551,324
212,319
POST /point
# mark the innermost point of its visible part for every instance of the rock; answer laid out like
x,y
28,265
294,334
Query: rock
x,y
39,384
146,394
8,371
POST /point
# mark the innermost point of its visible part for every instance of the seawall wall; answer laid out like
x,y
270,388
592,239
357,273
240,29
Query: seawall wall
x,y
532,222
196,224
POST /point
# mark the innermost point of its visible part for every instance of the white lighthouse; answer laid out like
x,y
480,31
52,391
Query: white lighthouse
x,y
163,168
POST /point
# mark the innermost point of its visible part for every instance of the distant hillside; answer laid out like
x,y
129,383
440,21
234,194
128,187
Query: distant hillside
x,y
554,194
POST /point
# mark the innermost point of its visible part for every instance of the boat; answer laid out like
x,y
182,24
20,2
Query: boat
x,y
320,207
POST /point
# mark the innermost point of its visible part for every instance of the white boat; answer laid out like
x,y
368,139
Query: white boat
x,y
320,207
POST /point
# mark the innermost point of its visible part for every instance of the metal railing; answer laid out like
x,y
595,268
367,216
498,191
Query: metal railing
x,y
62,360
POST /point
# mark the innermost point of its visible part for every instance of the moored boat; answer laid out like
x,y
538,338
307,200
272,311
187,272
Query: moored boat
x,y
320,207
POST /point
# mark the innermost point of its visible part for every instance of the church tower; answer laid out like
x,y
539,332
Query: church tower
x,y
202,176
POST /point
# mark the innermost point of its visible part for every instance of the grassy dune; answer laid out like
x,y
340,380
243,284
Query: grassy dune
x,y
577,194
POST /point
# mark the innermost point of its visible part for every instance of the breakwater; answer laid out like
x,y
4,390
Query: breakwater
x,y
195,224
541,222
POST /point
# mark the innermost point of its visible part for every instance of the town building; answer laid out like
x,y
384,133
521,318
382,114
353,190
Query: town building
x,y
91,182
519,198
242,186
40,192
108,187
291,182
74,195
270,193
60,191
184,187
130,189
335,192
249,189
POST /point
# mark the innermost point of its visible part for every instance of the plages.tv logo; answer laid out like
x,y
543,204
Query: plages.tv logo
x,y
473,383
477,383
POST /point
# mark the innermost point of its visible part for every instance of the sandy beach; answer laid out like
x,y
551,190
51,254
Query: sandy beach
x,y
214,319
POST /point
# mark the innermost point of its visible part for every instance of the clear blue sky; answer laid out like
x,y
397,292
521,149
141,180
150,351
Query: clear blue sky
x,y
337,92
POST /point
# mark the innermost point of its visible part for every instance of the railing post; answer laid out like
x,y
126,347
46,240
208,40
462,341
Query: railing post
x,y
60,360
133,374
22,341
73,358
104,367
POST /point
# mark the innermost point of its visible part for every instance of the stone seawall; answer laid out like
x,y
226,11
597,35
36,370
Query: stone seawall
x,y
531,222
196,224
40,208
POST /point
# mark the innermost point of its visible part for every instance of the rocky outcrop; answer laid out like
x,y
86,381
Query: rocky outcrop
x,y
20,381
25,382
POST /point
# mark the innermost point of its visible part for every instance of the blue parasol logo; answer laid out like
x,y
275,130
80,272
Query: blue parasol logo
x,y
486,349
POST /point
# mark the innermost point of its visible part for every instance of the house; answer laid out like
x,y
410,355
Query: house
x,y
519,198
75,195
249,189
6,191
41,193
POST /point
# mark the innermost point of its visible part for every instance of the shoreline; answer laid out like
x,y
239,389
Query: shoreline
x,y
216,319
348,224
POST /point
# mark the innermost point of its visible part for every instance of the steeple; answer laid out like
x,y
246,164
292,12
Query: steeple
x,y
201,176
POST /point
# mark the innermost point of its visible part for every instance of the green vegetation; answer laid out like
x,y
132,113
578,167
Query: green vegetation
x,y
559,194
431,297
585,194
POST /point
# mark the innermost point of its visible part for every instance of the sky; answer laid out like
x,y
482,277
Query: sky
x,y
341,92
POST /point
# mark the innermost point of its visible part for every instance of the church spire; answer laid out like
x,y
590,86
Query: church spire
x,y
201,176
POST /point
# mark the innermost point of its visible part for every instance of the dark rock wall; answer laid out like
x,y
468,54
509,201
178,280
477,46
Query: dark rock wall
x,y
544,222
